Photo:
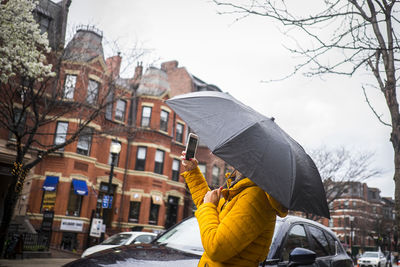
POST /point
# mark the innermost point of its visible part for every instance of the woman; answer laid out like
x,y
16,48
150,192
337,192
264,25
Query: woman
x,y
236,223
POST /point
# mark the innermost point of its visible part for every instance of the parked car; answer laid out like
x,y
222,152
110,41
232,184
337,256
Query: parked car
x,y
124,238
299,240
372,259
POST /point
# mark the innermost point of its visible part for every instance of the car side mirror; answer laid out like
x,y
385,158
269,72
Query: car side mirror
x,y
301,256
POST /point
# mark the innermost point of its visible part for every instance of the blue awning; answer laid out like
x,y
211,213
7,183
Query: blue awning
x,y
50,184
80,187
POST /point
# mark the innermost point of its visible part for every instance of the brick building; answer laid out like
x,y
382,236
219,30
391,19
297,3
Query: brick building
x,y
362,219
72,183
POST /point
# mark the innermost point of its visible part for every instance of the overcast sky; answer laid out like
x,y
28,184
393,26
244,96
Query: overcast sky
x,y
237,57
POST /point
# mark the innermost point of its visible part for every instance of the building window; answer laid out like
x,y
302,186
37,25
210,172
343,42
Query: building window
x,y
69,86
85,142
159,162
113,142
120,110
164,120
74,203
61,133
109,107
146,116
154,209
203,168
175,170
215,176
134,211
179,132
346,204
141,158
92,92
44,23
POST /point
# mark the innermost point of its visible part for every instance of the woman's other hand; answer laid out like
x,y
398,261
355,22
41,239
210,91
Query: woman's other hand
x,y
213,196
190,164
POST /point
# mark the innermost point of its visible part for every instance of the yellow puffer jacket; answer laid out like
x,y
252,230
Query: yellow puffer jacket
x,y
239,231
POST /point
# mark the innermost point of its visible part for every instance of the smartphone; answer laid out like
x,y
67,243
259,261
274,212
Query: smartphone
x,y
191,146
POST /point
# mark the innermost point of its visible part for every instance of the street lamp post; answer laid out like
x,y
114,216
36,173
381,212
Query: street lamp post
x,y
115,149
351,234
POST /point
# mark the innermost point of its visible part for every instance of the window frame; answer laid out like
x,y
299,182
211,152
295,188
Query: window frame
x,y
175,172
159,165
164,120
156,209
118,110
92,92
89,136
146,119
79,198
69,94
58,135
139,160
131,209
180,135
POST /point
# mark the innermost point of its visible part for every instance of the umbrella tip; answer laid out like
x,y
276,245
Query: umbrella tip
x,y
272,119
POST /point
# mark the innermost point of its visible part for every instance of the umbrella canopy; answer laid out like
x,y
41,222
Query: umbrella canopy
x,y
256,146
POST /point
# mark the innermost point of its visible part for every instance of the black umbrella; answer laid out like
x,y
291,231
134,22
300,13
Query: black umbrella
x,y
256,146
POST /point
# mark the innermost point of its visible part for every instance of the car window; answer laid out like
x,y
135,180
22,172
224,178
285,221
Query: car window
x,y
118,239
296,238
321,245
143,239
331,242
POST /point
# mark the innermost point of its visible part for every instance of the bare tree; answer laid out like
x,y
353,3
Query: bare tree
x,y
340,167
344,37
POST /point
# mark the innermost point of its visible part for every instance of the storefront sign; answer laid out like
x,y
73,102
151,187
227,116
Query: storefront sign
x,y
71,225
95,230
49,200
47,222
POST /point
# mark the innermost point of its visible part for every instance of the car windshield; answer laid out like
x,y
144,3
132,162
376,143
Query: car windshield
x,y
118,239
371,254
186,237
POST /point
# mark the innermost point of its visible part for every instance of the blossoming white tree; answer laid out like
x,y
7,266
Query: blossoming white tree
x,y
22,44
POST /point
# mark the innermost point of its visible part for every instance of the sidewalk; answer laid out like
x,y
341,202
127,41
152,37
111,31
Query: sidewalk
x,y
58,258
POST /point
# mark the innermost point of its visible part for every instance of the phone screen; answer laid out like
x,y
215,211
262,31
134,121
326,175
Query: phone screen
x,y
191,148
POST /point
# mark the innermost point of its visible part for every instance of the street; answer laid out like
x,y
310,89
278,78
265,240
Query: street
x,y
35,262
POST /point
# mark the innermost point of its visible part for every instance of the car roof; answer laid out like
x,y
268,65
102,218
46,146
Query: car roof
x,y
296,219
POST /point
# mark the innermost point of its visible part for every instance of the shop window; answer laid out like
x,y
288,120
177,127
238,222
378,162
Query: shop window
x,y
69,86
120,110
164,120
85,142
141,158
215,176
172,211
92,92
175,169
49,193
61,133
134,211
179,132
154,209
159,162
74,203
146,116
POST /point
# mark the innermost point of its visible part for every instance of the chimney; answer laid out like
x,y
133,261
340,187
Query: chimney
x,y
114,65
169,65
138,72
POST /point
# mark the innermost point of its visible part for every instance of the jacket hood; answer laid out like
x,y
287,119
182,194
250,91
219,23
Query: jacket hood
x,y
281,211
